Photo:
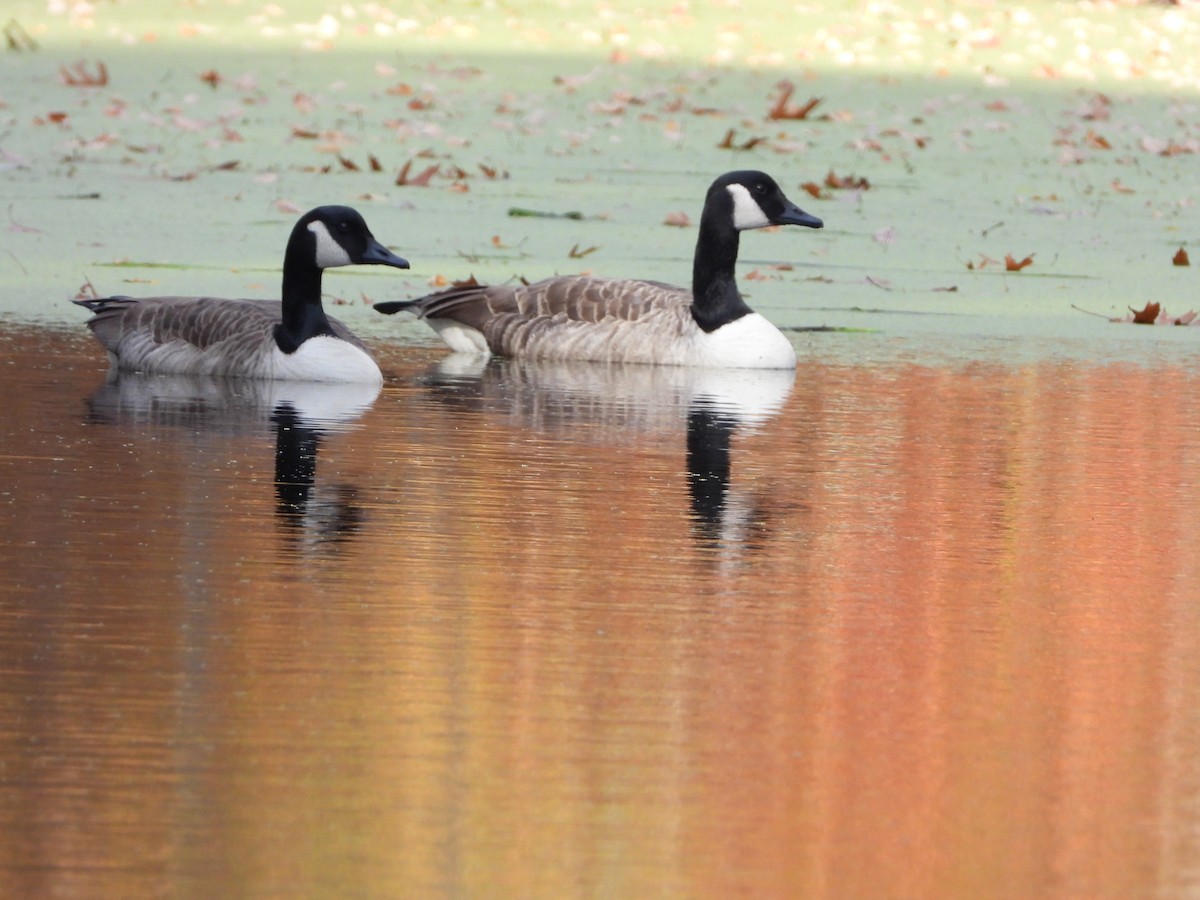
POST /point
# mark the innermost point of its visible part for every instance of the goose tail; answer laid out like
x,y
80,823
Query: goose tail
x,y
391,307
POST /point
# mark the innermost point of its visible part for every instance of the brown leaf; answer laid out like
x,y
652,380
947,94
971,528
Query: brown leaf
x,y
846,182
1146,316
348,164
1180,258
677,220
212,78
814,189
469,281
373,162
1013,265
1121,188
781,109
727,142
304,133
576,253
78,75
1096,141
421,180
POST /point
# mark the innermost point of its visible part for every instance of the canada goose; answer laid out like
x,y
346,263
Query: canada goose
x,y
623,320
291,340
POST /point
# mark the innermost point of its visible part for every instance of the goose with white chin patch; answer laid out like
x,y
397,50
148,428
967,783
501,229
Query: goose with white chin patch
x,y
292,339
576,317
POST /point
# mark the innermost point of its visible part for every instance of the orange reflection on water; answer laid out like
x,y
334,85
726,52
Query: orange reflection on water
x,y
939,641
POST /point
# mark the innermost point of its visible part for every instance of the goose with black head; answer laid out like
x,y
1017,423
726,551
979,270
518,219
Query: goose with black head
x,y
288,339
578,317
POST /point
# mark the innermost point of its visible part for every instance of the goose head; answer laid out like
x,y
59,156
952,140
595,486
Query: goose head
x,y
749,199
330,236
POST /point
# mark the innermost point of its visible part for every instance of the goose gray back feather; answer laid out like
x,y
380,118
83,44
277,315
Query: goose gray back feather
x,y
192,335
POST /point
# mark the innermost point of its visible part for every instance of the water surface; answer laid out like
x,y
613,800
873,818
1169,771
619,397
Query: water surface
x,y
908,625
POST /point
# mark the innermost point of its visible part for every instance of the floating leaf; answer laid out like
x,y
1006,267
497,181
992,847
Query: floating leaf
x,y
78,75
677,220
1180,258
781,108
518,212
1147,315
1014,265
348,164
576,253
17,38
212,78
814,190
727,142
846,182
421,180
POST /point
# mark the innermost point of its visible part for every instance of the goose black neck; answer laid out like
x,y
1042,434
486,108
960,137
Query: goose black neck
x,y
303,315
715,297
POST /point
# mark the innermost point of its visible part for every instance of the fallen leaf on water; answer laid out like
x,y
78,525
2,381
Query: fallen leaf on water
x,y
677,220
1096,141
286,206
305,133
438,280
781,108
948,290
1146,315
347,164
17,38
421,180
373,162
846,182
1180,258
1121,188
212,78
727,142
814,190
576,253
78,75
1013,265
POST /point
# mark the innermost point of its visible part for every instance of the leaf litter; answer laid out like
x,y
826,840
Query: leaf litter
x,y
445,120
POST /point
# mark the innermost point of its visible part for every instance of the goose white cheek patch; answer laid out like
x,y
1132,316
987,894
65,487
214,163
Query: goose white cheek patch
x,y
746,212
330,253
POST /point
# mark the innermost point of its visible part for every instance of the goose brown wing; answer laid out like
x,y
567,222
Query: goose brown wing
x,y
571,299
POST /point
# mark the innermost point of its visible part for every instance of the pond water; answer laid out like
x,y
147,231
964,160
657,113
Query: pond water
x,y
910,624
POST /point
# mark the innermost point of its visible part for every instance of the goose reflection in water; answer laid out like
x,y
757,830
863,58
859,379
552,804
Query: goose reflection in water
x,y
302,414
617,403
